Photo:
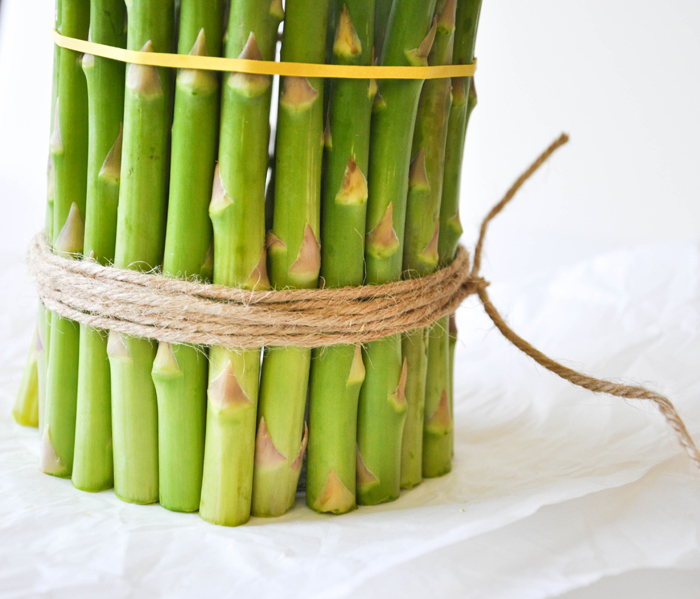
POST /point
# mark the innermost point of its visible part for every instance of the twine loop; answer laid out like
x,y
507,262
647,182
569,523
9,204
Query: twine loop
x,y
152,306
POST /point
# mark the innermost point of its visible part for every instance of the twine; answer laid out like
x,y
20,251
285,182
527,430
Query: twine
x,y
152,306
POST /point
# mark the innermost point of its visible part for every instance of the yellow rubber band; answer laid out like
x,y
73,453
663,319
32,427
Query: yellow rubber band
x,y
262,67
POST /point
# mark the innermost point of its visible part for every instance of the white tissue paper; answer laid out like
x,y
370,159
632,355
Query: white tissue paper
x,y
552,488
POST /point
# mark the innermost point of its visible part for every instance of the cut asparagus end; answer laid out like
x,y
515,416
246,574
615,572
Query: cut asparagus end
x,y
354,190
382,241
70,239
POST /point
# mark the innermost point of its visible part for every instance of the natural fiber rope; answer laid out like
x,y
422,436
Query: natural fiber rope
x,y
175,311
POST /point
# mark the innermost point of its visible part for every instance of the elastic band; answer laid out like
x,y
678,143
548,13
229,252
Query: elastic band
x,y
262,67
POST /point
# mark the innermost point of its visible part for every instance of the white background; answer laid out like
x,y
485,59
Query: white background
x,y
621,78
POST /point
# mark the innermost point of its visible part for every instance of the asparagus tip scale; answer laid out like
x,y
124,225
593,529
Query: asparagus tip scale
x,y
258,279
327,136
207,270
116,348
418,175
430,254
458,92
373,89
70,239
446,19
51,181
276,9
357,369
88,61
298,94
398,398
308,262
274,244
220,200
248,84
112,166
166,362
38,344
353,190
195,80
56,141
347,43
225,392
144,80
382,241
366,479
266,454
296,464
335,497
379,102
418,57
455,223
440,422
49,461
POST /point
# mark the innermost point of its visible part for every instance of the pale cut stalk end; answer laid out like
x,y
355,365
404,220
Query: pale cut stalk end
x,y
418,175
347,43
144,80
298,94
71,238
266,454
353,190
418,57
226,393
357,369
398,398
366,479
166,362
335,497
112,166
308,263
382,241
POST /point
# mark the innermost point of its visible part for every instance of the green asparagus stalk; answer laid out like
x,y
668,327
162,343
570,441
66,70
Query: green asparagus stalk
x,y
452,347
237,212
180,371
438,437
420,255
382,408
294,258
26,410
139,246
93,463
381,22
68,148
337,372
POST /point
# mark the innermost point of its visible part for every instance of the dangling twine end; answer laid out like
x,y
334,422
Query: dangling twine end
x,y
581,380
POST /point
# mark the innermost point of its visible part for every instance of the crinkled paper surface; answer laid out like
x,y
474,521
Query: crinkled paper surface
x,y
552,487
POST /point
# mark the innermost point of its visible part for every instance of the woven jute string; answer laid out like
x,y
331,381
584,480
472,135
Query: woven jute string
x,y
149,305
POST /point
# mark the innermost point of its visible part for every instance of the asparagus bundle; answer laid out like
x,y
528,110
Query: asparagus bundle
x,y
420,255
294,258
338,372
438,437
68,147
92,468
382,408
26,409
180,371
139,245
237,211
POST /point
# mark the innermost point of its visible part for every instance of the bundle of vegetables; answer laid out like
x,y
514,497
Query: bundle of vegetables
x,y
152,169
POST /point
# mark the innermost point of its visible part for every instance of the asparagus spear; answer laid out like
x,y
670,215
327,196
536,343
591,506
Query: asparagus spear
x,y
438,437
26,409
382,408
294,258
139,245
180,371
337,372
92,468
68,147
381,21
420,256
237,211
